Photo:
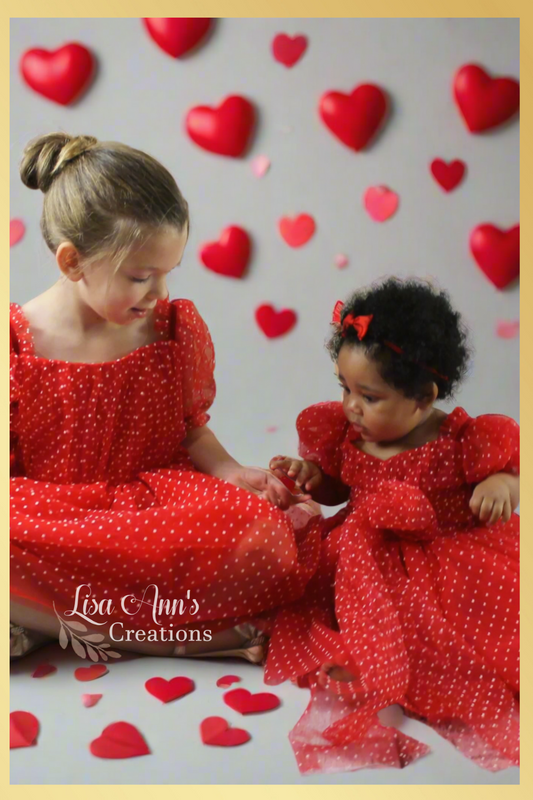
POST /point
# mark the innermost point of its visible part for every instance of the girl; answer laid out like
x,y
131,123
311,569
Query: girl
x,y
416,598
119,489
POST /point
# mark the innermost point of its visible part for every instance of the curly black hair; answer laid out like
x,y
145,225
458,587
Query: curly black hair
x,y
419,319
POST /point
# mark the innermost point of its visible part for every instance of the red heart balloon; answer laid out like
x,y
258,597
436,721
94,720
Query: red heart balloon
x,y
288,50
119,740
177,35
23,729
225,130
354,118
274,323
245,702
497,253
216,731
169,690
483,101
90,673
448,176
296,232
230,255
60,75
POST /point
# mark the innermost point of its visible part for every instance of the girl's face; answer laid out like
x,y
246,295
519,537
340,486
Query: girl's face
x,y
377,411
133,291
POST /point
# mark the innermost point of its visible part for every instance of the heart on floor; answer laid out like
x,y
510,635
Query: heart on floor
x,y
90,673
380,202
275,323
448,176
288,50
227,680
17,229
297,232
169,690
23,729
216,731
245,702
119,740
42,670
90,700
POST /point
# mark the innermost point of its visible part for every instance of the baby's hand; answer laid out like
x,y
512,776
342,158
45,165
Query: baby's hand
x,y
306,474
491,500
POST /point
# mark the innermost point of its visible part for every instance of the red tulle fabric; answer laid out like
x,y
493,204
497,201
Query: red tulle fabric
x,y
413,595
103,493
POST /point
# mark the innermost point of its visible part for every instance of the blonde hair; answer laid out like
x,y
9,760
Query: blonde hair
x,y
103,197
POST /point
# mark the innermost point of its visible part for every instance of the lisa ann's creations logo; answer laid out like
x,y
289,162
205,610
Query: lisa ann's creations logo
x,y
86,643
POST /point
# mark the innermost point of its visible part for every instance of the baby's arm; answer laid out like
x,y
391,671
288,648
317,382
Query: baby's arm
x,y
496,497
308,476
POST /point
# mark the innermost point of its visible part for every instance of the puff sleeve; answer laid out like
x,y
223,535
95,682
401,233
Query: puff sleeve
x,y
321,431
490,443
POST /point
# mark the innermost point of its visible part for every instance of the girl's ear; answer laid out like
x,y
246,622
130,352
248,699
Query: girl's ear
x,y
430,395
68,261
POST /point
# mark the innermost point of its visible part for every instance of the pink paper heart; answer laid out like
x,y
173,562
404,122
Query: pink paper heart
x,y
42,670
341,261
90,700
380,202
260,166
508,329
17,229
272,429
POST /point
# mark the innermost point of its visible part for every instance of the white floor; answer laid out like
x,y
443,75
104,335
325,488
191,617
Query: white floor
x,y
178,756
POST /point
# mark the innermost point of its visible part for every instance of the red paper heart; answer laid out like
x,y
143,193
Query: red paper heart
x,y
230,255
288,49
227,680
245,702
60,75
225,130
90,700
42,670
216,731
483,101
274,323
448,176
90,673
177,35
119,740
354,118
17,229
508,329
169,690
380,202
497,253
296,232
23,729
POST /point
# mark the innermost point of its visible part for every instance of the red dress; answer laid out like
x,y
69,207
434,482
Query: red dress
x,y
103,493
413,595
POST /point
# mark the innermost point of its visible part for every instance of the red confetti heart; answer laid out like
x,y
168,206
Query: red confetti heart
x,y
23,729
230,255
42,670
296,232
508,329
17,229
448,176
245,702
380,203
354,118
275,323
60,75
484,102
119,740
227,680
169,690
177,35
90,700
225,130
288,50
216,731
90,673
497,253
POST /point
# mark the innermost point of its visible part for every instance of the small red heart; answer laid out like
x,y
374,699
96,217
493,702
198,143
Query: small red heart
x,y
245,702
230,255
90,673
296,232
275,323
448,176
354,118
225,130
42,670
90,700
484,102
23,729
497,253
177,35
216,731
169,690
60,75
17,229
227,680
288,49
508,329
119,740
380,202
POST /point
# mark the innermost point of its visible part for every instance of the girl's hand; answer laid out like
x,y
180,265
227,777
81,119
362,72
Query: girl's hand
x,y
306,474
492,500
263,483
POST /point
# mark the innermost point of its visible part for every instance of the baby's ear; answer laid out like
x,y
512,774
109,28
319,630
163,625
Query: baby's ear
x,y
431,392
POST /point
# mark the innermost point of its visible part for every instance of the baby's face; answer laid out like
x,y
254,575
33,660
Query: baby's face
x,y
377,411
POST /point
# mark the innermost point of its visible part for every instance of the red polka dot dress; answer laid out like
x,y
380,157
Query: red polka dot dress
x,y
103,493
414,596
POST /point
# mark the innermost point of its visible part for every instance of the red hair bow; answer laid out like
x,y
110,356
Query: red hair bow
x,y
359,324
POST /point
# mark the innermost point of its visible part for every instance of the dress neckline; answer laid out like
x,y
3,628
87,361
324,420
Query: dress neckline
x,y
162,315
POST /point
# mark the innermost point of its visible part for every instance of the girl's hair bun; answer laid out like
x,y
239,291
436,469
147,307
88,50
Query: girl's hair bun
x,y
44,157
